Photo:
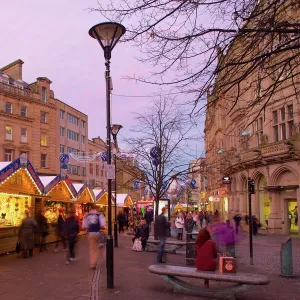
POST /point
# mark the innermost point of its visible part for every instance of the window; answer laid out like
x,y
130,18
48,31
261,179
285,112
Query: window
x,y
8,107
83,171
43,160
43,117
8,155
62,148
62,114
283,131
8,132
290,109
282,114
24,135
83,139
102,173
91,169
44,96
72,150
97,170
275,126
74,170
72,135
82,124
23,111
43,139
72,119
259,131
62,131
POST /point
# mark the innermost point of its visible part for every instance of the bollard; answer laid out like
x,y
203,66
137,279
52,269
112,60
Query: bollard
x,y
286,258
230,246
190,253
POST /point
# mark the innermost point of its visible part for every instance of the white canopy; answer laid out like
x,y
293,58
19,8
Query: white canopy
x,y
3,164
46,179
77,186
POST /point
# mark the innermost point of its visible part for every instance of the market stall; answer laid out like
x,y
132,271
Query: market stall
x,y
60,194
125,204
85,196
20,186
142,206
102,202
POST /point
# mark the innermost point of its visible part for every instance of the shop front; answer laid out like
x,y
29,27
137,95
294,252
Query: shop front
x,y
20,186
60,196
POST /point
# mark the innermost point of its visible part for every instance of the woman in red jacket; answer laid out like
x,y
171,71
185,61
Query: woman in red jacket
x,y
206,250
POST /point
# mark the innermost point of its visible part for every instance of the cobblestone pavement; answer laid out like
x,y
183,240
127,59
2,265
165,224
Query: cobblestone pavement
x,y
133,281
46,276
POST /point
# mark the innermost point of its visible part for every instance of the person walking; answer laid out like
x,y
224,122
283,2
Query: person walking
x,y
121,220
179,224
161,227
42,229
201,217
149,218
237,219
93,222
71,228
26,235
60,230
206,218
189,226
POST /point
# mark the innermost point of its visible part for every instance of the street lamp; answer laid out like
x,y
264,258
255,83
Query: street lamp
x,y
115,128
108,34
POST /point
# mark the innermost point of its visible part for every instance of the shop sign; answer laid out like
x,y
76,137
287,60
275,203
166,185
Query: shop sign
x,y
110,171
211,198
226,180
222,192
216,199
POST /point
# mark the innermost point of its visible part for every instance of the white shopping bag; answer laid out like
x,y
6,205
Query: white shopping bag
x,y
137,245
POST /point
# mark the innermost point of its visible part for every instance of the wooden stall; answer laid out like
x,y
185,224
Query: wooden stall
x,y
59,194
20,188
102,203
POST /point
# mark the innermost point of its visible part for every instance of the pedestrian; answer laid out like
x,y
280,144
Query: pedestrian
x,y
201,217
206,253
121,221
255,225
161,227
179,224
189,225
296,216
149,218
93,222
26,235
142,233
237,219
60,230
206,218
42,229
71,228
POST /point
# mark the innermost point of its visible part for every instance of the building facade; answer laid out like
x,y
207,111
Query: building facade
x,y
261,143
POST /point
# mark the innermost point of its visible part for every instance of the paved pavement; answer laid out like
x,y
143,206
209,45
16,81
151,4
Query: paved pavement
x,y
46,276
133,281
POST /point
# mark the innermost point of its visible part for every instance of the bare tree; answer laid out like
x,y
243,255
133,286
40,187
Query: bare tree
x,y
228,48
165,128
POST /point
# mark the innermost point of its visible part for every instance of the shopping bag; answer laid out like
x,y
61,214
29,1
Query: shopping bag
x,y
174,232
137,245
18,247
227,263
102,239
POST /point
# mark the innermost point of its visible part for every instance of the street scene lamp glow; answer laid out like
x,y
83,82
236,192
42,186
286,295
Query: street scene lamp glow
x,y
107,34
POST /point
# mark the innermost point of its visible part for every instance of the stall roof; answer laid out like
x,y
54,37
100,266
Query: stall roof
x,y
97,193
8,168
78,186
52,181
121,199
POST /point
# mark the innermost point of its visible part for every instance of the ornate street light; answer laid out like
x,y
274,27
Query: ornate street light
x,y
115,128
108,34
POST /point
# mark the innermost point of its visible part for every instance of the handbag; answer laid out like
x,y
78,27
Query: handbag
x,y
102,239
227,263
18,247
137,245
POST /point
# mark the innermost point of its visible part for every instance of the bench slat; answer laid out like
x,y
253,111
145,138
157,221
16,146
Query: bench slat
x,y
243,278
181,243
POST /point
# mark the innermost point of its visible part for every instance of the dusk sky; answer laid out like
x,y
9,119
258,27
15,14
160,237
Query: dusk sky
x,y
52,39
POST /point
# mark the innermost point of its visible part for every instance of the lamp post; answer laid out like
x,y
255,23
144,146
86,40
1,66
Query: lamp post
x,y
115,128
108,34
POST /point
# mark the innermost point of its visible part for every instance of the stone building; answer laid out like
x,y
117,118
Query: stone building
x,y
261,143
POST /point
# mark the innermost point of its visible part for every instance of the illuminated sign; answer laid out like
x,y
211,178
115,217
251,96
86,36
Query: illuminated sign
x,y
226,180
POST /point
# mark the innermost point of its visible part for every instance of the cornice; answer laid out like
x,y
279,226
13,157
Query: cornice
x,y
14,116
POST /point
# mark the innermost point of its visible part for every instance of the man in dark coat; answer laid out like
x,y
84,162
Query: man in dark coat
x,y
161,228
142,233
149,218
43,229
237,219
71,231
